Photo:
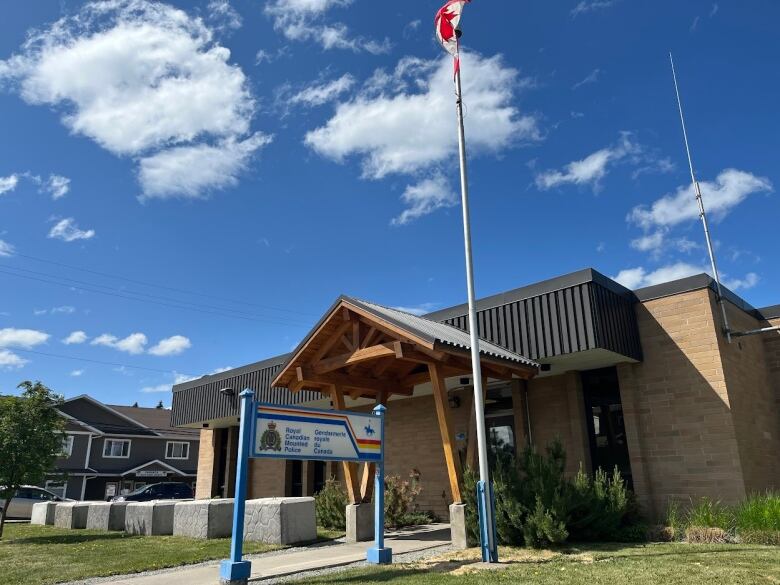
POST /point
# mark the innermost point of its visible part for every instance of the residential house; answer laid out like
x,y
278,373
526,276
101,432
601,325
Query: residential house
x,y
110,450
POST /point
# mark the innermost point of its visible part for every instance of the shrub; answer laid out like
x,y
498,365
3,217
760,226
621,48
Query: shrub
x,y
708,513
542,527
400,507
330,506
759,513
706,535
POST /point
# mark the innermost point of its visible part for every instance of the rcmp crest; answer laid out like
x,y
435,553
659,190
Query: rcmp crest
x,y
271,440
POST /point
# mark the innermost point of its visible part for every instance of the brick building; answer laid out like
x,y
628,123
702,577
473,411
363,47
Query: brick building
x,y
643,380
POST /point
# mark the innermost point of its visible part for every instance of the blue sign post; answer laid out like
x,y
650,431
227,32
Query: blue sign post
x,y
235,569
305,434
379,555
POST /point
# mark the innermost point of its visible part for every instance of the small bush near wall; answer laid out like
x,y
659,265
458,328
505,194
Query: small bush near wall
x,y
538,506
754,521
330,505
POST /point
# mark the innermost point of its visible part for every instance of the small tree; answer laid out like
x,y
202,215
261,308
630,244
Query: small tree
x,y
31,438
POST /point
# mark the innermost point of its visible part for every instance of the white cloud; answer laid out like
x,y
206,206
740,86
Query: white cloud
x,y
63,310
317,95
424,198
6,249
10,182
10,360
305,20
750,280
67,231
592,77
194,171
137,77
650,242
77,373
714,10
75,338
639,277
22,338
634,278
57,186
404,122
592,169
224,16
171,346
134,343
730,189
591,6
418,310
159,389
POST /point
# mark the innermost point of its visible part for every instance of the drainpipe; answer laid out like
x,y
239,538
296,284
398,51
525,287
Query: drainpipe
x,y
755,331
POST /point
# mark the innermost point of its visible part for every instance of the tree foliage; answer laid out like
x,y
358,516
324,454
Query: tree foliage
x,y
31,438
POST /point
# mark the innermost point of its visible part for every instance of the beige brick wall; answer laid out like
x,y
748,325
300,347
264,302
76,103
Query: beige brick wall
x,y
204,487
557,411
753,402
682,438
772,345
268,478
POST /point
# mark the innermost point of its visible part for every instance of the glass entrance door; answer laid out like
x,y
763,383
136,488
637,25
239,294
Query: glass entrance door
x,y
606,427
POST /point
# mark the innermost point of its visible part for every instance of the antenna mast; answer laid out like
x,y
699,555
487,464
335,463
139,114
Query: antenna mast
x,y
702,213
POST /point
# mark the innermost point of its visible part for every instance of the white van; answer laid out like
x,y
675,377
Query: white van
x,y
21,504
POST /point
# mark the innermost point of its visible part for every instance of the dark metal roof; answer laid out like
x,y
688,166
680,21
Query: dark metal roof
x,y
438,333
155,419
772,312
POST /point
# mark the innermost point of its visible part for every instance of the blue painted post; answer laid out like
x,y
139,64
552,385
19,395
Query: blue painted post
x,y
235,570
488,540
378,554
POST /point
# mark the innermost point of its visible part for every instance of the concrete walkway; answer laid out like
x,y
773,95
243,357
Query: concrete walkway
x,y
282,564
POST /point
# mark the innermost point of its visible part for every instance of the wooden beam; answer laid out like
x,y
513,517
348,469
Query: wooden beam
x,y
355,357
347,343
350,468
451,458
326,347
356,333
425,377
368,337
471,446
390,386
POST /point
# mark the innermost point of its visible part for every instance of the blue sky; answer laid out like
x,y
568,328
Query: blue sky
x,y
187,186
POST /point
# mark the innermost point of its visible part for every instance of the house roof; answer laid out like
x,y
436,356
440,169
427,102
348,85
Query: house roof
x,y
155,419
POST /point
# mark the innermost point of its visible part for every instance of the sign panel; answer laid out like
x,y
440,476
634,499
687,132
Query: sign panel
x,y
151,473
311,435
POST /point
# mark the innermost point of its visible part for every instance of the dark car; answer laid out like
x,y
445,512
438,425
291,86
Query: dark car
x,y
158,491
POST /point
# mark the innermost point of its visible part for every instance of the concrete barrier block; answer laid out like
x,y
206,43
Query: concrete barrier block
x,y
360,522
71,515
203,519
43,513
458,533
280,520
150,518
108,516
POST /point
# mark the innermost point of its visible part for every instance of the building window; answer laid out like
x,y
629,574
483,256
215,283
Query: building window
x,y
177,450
116,448
67,446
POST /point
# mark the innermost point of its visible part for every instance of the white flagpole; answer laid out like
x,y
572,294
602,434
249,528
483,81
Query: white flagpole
x,y
702,214
486,505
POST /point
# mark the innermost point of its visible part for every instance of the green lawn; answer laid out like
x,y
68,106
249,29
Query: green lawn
x,y
41,555
656,564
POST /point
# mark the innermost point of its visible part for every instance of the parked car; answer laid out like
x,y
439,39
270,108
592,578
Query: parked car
x,y
21,504
157,491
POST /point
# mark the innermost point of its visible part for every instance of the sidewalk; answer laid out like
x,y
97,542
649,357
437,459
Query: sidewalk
x,y
311,558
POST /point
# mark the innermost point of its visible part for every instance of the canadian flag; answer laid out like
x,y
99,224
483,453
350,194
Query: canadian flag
x,y
447,20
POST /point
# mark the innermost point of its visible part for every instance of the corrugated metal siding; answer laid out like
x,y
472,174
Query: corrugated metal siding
x,y
205,402
569,320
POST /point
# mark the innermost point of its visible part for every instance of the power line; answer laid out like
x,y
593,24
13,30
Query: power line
x,y
134,296
161,286
104,363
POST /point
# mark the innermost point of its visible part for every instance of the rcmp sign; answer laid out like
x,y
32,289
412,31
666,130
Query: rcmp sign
x,y
309,434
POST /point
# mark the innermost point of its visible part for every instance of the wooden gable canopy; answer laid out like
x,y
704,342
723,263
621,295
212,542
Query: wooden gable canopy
x,y
372,351
368,351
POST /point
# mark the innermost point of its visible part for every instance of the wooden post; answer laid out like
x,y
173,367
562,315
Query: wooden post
x,y
445,427
350,467
471,446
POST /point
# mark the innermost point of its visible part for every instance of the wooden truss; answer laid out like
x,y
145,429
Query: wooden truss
x,y
355,353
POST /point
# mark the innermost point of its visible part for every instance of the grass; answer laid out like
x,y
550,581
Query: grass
x,y
670,564
42,555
